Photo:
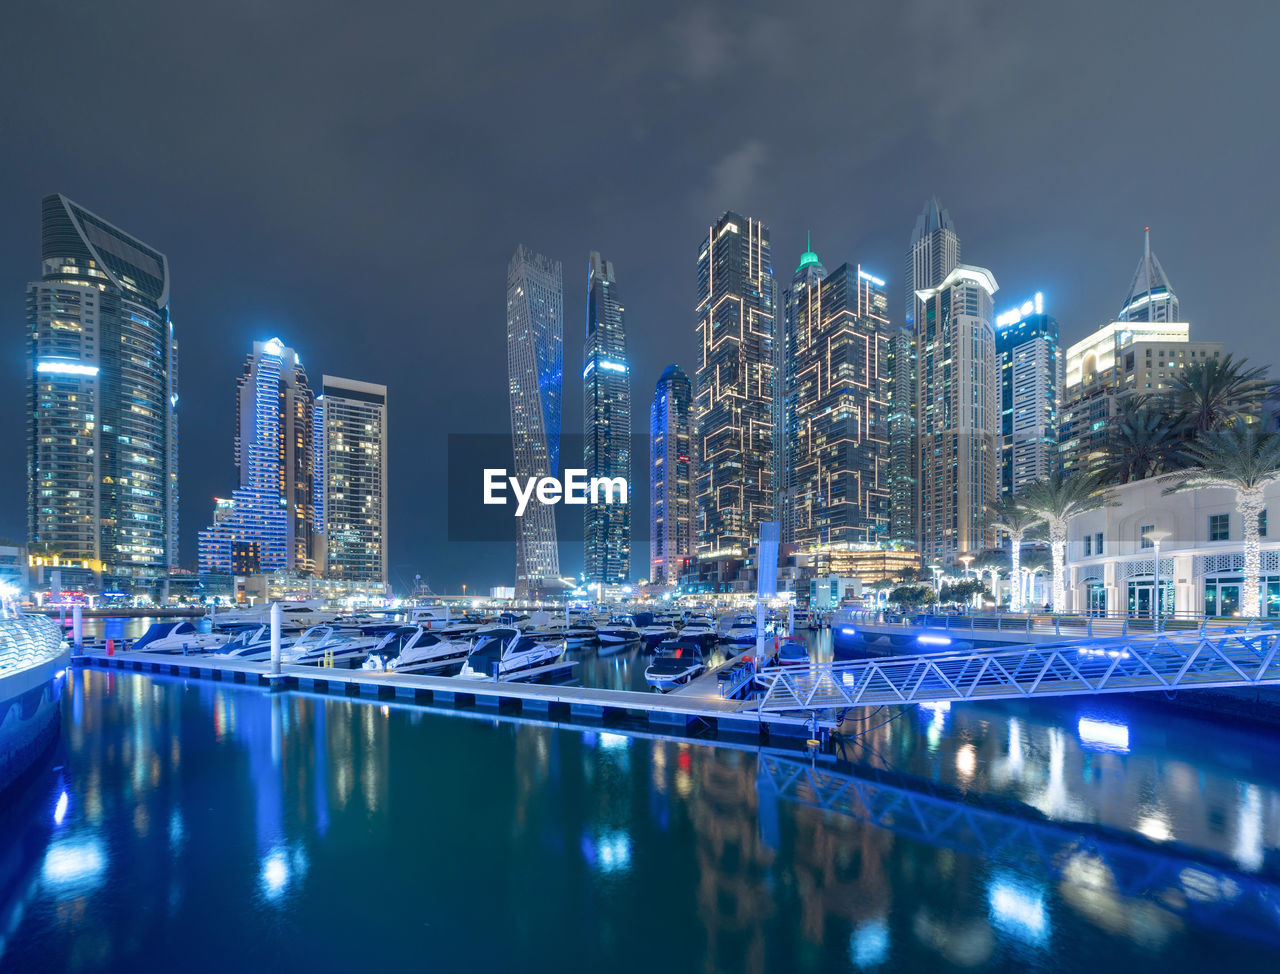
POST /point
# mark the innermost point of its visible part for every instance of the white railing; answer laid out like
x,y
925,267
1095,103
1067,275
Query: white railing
x,y
1087,623
1226,657
27,641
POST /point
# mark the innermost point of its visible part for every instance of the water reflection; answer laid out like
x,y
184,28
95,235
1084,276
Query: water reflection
x,y
332,832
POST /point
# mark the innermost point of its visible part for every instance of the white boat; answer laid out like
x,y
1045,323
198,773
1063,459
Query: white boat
x,y
700,629
657,633
415,649
506,653
677,661
177,637
619,630
252,643
293,615
742,631
792,653
330,646
580,632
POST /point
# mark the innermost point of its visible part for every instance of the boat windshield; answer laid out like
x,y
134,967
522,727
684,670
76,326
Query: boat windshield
x,y
622,621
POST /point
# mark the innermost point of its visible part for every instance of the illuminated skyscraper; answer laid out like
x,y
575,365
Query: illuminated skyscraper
x,y
606,425
734,405
102,399
1150,297
1031,378
957,415
934,253
671,477
837,402
797,302
350,488
535,375
267,523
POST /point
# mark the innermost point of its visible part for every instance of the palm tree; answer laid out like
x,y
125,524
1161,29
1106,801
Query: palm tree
x,y
1143,439
1036,561
1013,518
1246,459
993,562
1057,501
1213,393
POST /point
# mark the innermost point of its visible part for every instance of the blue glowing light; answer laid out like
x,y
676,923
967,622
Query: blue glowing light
x,y
63,367
60,809
1017,908
848,631
927,640
1103,735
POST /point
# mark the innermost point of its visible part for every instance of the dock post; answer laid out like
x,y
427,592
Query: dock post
x,y
275,679
77,627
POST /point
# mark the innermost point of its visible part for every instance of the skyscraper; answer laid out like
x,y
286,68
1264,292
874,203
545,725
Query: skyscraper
x,y
350,487
798,302
934,252
734,405
606,425
268,522
102,400
671,542
535,375
837,398
1031,379
1150,297
956,414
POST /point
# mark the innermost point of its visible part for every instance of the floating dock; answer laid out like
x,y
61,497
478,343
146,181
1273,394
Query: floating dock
x,y
699,709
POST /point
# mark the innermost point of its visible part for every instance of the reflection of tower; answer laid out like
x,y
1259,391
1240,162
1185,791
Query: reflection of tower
x,y
733,898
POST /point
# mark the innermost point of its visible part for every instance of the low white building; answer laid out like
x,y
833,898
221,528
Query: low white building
x,y
1111,566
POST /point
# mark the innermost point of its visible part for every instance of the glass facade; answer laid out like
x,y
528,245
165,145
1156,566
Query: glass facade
x,y
671,477
606,426
836,393
956,415
735,388
1031,376
268,524
535,375
102,458
351,480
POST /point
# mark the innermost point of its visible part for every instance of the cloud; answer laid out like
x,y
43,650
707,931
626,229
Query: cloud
x,y
734,178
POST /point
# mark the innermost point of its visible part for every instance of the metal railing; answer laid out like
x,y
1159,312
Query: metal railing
x,y
1228,657
27,641
1087,623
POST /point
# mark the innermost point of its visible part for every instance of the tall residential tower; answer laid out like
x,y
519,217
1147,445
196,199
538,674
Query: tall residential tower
x,y
1031,379
267,524
102,400
956,414
606,426
734,405
798,302
535,377
671,477
350,489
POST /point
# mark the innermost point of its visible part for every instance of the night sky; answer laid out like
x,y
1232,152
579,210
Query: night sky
x,y
354,178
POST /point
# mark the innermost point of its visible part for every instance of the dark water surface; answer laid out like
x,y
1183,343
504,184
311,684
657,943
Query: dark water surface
x,y
194,826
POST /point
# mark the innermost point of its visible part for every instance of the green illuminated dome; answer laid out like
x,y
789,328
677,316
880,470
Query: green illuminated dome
x,y
808,258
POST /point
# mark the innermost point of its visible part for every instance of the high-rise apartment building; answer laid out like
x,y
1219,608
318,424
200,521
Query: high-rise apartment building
x,y
268,522
1031,381
535,376
102,401
797,301
606,426
934,252
837,401
1120,359
671,535
956,415
350,486
735,387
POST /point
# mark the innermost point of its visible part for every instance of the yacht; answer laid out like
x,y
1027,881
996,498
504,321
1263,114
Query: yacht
x,y
792,653
677,661
580,632
414,649
176,637
299,614
742,631
619,629
251,643
506,653
657,632
319,645
700,629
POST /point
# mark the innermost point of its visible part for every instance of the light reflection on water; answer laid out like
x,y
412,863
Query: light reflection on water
x,y
329,832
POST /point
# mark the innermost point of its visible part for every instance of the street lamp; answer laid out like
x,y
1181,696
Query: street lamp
x,y
1155,536
937,582
968,560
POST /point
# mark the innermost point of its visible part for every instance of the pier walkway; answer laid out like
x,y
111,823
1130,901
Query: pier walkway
x,y
1169,661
